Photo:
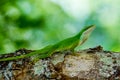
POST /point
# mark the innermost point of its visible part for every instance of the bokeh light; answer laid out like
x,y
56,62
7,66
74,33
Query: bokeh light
x,y
33,24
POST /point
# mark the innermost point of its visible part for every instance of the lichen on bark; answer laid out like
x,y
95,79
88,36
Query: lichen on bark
x,y
89,64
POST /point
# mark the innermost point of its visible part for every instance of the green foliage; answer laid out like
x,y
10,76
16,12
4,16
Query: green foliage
x,y
33,24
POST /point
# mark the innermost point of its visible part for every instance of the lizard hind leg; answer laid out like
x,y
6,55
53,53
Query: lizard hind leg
x,y
40,56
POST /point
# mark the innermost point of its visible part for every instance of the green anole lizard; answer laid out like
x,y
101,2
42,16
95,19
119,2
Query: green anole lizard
x,y
66,44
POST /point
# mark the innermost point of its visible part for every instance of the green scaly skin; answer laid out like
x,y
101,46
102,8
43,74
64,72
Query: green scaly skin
x,y
66,44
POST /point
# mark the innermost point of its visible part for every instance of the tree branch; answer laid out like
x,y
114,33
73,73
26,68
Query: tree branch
x,y
88,64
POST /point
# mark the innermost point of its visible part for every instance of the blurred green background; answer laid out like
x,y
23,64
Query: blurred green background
x,y
33,24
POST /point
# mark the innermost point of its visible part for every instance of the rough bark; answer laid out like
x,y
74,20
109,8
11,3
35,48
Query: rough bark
x,y
88,64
